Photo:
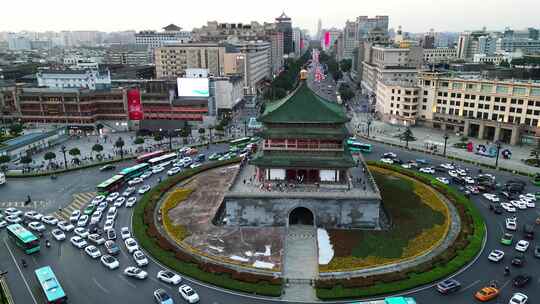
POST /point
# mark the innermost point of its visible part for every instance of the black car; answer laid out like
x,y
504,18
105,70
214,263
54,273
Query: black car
x,y
107,168
537,251
521,280
496,208
528,231
440,169
448,286
459,180
518,260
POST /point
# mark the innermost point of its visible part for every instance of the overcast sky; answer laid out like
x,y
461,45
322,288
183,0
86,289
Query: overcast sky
x,y
413,15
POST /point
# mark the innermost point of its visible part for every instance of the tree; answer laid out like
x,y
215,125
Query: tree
x,y
407,136
139,141
4,159
99,127
49,156
337,75
15,129
346,93
119,144
74,152
345,65
27,159
201,132
185,133
97,148
158,137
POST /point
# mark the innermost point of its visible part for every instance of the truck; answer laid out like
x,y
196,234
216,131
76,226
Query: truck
x,y
392,300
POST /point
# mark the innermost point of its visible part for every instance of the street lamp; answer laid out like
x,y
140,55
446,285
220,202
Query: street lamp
x,y
498,143
63,149
368,126
445,141
245,128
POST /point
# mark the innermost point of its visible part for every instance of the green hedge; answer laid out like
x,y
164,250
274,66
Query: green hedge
x,y
419,278
169,259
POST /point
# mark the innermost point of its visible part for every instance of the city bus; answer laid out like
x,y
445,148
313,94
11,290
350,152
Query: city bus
x,y
23,238
2,178
240,143
49,285
391,300
134,171
355,146
162,159
112,184
147,156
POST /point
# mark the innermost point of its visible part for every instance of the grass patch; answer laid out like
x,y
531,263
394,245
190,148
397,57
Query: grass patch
x,y
178,232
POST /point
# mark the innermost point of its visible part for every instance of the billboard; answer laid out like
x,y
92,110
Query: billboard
x,y
193,87
135,111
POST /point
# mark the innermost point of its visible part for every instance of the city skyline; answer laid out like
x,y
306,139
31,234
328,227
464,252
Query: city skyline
x,y
446,16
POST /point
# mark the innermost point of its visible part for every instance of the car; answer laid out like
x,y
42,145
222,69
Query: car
x,y
518,298
461,172
111,247
140,258
162,297
421,161
146,175
487,293
188,294
94,228
157,169
469,180
131,245
522,245
107,168
530,204
65,226
508,207
82,232
92,251
78,242
390,155
521,280
135,181
496,255
518,260
75,216
195,165
109,224
453,173
119,201
519,204
124,233
491,197
89,209
111,234
406,166
135,272
174,170
507,239
13,211
101,207
497,209
49,219
511,223
58,234
383,160
128,192
3,224
131,202
112,196
472,189
144,189
98,199
448,166
109,261
112,213
13,219
96,239
214,156
36,226
443,180
169,277
528,231
33,215
448,286
96,217
83,221
536,252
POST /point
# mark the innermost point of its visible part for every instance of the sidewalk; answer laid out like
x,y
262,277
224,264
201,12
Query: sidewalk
x,y
383,132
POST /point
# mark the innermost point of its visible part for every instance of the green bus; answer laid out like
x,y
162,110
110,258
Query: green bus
x,y
356,146
238,144
536,179
23,238
112,184
134,171
50,286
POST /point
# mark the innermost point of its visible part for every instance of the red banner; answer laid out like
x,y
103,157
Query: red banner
x,y
134,104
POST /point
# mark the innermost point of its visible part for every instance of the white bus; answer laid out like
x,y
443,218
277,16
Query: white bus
x,y
2,178
163,159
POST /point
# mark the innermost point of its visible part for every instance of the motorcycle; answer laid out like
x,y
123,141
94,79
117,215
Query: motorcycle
x,y
47,244
23,262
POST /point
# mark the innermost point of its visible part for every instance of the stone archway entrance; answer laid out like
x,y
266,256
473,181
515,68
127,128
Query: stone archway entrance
x,y
301,216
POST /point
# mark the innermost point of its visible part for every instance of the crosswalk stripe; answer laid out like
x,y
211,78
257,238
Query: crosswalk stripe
x,y
78,202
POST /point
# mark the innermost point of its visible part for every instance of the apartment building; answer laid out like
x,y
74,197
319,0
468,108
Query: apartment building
x,y
254,58
130,54
397,102
173,60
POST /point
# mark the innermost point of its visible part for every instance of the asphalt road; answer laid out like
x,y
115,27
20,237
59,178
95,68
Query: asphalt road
x,y
87,281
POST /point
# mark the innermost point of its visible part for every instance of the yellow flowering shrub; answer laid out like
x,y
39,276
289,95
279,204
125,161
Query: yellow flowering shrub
x,y
178,232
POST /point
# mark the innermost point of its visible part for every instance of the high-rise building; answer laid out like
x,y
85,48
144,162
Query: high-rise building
x,y
350,40
428,42
253,59
128,54
18,43
284,25
477,42
173,60
366,25
319,30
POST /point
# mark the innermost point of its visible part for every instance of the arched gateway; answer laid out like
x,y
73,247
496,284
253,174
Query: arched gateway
x,y
301,216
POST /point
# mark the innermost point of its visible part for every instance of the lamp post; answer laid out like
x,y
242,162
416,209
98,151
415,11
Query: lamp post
x,y
63,149
445,141
498,143
245,128
368,126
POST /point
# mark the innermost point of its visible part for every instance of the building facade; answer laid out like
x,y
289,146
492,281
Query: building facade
x,y
83,79
170,34
255,59
131,54
172,60
284,25
477,42
439,55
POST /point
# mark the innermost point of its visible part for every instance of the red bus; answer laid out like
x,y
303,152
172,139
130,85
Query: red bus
x,y
146,157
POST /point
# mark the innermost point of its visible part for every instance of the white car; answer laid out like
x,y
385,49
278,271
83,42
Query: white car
x,y
518,298
96,239
169,277
188,294
508,207
36,226
102,206
157,169
530,204
443,180
65,226
131,202
83,221
33,215
522,246
3,224
496,255
427,170
124,233
109,224
519,204
140,258
195,165
111,197
144,189
109,262
135,272
461,172
81,232
387,161
129,191
528,196
13,219
119,201
13,211
75,216
131,245
491,197
49,219
469,180
146,175
452,173
58,234
135,181
78,242
174,170
112,213
92,251
96,217
448,166
511,223
98,199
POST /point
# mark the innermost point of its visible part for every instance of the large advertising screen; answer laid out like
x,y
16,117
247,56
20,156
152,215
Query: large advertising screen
x,y
134,104
193,87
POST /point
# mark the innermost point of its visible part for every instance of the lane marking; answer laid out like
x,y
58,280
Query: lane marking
x,y
470,285
105,290
127,281
20,272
